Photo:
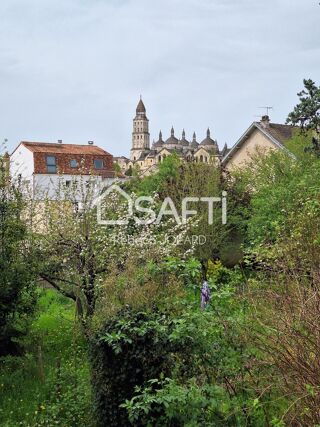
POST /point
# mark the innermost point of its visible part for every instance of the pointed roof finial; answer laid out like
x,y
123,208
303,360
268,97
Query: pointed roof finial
x,y
160,136
140,107
208,133
194,137
172,131
183,134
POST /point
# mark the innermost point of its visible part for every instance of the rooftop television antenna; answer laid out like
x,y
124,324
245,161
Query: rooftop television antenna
x,y
267,109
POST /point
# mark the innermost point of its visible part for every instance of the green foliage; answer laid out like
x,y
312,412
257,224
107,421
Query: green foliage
x,y
306,114
130,349
129,171
168,171
68,402
180,405
17,270
282,247
158,367
283,188
188,270
50,384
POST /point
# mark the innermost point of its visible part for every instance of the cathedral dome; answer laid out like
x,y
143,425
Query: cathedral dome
x,y
158,144
208,142
194,143
172,140
183,141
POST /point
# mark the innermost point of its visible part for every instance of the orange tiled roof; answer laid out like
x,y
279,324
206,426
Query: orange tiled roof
x,y
49,147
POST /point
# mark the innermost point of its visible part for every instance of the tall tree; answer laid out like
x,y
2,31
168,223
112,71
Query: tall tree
x,y
17,269
306,114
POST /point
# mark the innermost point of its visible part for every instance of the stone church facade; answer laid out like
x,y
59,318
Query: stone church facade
x,y
146,158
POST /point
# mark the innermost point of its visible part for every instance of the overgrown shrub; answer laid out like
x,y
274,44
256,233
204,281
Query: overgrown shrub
x,y
167,403
131,348
154,368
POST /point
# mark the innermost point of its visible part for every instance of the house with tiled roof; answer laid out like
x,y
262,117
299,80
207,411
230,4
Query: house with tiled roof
x,y
259,138
43,166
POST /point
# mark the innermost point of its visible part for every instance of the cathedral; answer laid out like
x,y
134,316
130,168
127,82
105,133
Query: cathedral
x,y
146,159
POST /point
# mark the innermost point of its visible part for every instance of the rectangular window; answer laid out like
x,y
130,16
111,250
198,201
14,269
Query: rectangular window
x,y
73,163
98,164
51,164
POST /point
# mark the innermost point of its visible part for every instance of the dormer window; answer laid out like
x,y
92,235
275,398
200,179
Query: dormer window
x,y
98,163
51,164
73,163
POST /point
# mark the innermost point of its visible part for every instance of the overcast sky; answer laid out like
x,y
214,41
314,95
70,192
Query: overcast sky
x,y
74,69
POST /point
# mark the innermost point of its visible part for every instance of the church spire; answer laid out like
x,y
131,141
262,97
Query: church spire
x,y
160,136
183,134
141,109
208,133
194,137
172,131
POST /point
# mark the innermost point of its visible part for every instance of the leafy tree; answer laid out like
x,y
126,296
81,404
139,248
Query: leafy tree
x,y
17,266
117,168
78,252
199,180
306,114
168,171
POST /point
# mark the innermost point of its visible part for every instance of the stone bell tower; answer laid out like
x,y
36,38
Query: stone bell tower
x,y
140,133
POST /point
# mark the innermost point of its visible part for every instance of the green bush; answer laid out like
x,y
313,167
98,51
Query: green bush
x,y
131,348
166,403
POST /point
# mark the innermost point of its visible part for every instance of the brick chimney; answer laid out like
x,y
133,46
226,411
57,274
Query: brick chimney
x,y
265,121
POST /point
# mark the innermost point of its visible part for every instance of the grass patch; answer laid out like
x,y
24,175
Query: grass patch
x,y
50,384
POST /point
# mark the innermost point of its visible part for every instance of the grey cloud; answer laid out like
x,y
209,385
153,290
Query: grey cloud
x,y
74,69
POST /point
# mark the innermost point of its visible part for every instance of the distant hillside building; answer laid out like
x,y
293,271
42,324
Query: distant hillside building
x,y
148,158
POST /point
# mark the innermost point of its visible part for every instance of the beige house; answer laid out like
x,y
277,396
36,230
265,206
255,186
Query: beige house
x,y
259,138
